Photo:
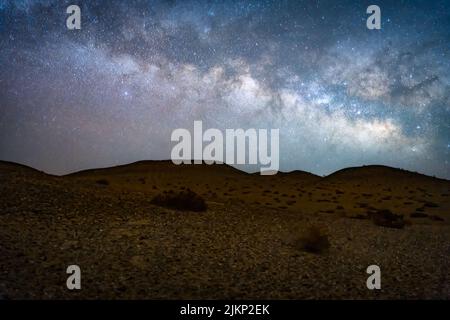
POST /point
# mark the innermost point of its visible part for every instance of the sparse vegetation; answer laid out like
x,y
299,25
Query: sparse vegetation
x,y
436,218
246,235
430,204
418,215
386,218
362,205
103,182
359,216
184,200
314,240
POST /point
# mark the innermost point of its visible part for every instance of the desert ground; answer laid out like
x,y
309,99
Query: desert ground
x,y
289,236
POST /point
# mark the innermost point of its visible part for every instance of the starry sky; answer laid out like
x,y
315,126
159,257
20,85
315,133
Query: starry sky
x,y
113,92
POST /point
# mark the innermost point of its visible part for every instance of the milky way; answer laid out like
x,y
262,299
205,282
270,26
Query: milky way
x,y
111,93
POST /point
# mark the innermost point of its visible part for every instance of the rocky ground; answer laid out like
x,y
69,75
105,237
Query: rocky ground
x,y
128,248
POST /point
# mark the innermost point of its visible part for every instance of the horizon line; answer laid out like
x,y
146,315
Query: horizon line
x,y
219,163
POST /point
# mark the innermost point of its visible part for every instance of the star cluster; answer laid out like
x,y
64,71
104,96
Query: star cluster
x,y
111,93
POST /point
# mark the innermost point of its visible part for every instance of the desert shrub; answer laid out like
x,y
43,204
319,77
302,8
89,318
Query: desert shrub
x,y
184,200
408,222
418,215
430,204
359,216
362,205
386,218
436,218
314,240
103,182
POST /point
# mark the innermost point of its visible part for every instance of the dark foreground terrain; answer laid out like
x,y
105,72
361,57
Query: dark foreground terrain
x,y
289,236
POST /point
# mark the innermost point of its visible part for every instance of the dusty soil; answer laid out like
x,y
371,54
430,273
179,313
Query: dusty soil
x,y
244,246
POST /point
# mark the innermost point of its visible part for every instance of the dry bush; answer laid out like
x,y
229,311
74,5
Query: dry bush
x,y
314,239
184,200
418,214
359,216
430,204
436,218
102,182
386,218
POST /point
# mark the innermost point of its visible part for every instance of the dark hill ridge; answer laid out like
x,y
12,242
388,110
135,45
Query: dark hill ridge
x,y
299,174
383,179
378,171
13,167
157,166
9,165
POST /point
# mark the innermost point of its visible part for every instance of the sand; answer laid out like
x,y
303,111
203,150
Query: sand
x,y
244,246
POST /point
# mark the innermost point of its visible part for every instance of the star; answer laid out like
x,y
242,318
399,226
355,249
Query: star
x,y
341,94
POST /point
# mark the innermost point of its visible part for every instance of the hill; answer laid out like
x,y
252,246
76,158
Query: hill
x,y
253,241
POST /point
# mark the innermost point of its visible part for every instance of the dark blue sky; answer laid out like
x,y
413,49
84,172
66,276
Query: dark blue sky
x,y
113,92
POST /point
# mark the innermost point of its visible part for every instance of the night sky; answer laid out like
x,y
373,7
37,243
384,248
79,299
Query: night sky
x,y
113,92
